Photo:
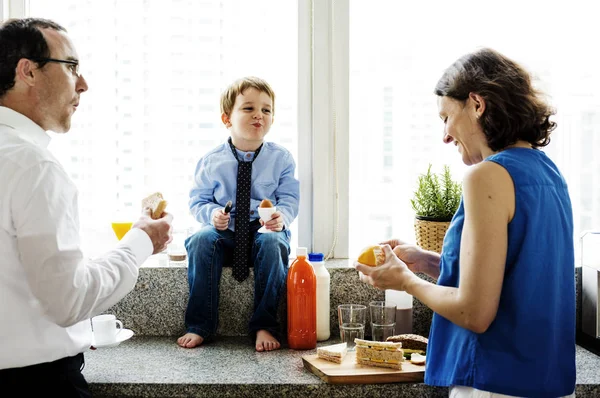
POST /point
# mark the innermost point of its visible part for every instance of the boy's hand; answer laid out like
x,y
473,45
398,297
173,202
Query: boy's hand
x,y
275,224
221,219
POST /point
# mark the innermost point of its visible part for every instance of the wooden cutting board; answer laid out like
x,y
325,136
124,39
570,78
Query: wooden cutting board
x,y
349,372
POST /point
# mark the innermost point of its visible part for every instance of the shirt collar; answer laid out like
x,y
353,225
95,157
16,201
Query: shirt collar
x,y
23,127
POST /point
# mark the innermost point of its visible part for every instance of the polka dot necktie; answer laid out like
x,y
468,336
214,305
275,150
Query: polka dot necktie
x,y
241,251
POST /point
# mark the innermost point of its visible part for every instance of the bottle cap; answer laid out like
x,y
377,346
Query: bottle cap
x,y
315,256
301,251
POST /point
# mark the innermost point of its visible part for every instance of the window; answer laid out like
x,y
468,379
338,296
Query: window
x,y
156,70
354,81
391,87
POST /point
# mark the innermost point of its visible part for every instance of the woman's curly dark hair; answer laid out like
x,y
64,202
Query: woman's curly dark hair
x,y
514,109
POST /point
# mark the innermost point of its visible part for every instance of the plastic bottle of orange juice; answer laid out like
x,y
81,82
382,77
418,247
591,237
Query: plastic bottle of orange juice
x,y
302,303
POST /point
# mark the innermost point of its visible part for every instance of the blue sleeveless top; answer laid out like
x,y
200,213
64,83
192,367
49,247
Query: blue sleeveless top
x,y
529,348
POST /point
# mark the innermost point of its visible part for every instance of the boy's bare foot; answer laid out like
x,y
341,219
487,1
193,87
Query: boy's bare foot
x,y
266,342
190,340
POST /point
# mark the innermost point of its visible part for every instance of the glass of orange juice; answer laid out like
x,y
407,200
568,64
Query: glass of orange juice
x,y
121,228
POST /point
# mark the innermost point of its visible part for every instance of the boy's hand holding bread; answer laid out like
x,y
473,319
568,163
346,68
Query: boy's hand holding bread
x,y
155,222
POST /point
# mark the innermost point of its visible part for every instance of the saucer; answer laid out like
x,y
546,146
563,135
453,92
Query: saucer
x,y
264,230
123,335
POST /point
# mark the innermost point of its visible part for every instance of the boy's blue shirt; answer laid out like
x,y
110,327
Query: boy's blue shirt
x,y
273,178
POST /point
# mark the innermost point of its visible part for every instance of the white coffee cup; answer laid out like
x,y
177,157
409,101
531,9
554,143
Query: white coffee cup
x,y
106,328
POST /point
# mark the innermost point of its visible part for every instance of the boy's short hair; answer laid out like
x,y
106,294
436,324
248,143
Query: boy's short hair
x,y
239,86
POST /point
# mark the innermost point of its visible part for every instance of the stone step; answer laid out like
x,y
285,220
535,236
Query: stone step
x,y
157,304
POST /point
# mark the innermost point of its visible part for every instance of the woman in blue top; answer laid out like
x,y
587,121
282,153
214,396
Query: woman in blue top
x,y
504,302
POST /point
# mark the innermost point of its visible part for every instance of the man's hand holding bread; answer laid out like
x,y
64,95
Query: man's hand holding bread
x,y
155,222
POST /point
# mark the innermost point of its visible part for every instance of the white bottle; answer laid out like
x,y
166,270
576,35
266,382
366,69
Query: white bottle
x,y
323,299
404,310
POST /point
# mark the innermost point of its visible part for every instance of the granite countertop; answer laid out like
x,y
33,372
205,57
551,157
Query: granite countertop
x,y
158,367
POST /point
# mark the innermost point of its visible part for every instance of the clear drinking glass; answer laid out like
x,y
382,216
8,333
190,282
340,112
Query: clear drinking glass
x,y
383,319
351,319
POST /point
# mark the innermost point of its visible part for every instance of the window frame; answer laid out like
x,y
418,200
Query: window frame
x,y
330,104
14,9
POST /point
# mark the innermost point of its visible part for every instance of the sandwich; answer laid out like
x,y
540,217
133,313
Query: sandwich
x,y
156,203
334,353
411,344
372,255
382,354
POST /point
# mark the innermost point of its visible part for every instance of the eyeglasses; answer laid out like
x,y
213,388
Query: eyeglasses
x,y
73,65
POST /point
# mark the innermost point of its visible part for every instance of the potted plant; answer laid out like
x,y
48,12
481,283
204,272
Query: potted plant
x,y
435,201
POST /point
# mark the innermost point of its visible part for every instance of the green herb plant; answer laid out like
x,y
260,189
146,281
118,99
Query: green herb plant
x,y
437,196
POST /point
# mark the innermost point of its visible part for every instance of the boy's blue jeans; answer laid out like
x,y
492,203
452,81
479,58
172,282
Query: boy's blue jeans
x,y
208,250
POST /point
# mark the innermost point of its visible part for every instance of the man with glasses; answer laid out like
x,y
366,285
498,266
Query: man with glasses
x,y
48,290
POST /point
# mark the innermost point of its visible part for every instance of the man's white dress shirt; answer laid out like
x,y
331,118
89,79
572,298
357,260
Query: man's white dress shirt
x,y
48,289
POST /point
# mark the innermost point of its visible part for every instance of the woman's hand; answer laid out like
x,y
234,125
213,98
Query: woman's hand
x,y
412,255
393,274
416,259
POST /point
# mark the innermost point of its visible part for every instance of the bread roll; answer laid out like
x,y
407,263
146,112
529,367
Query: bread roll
x,y
372,255
156,203
410,341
